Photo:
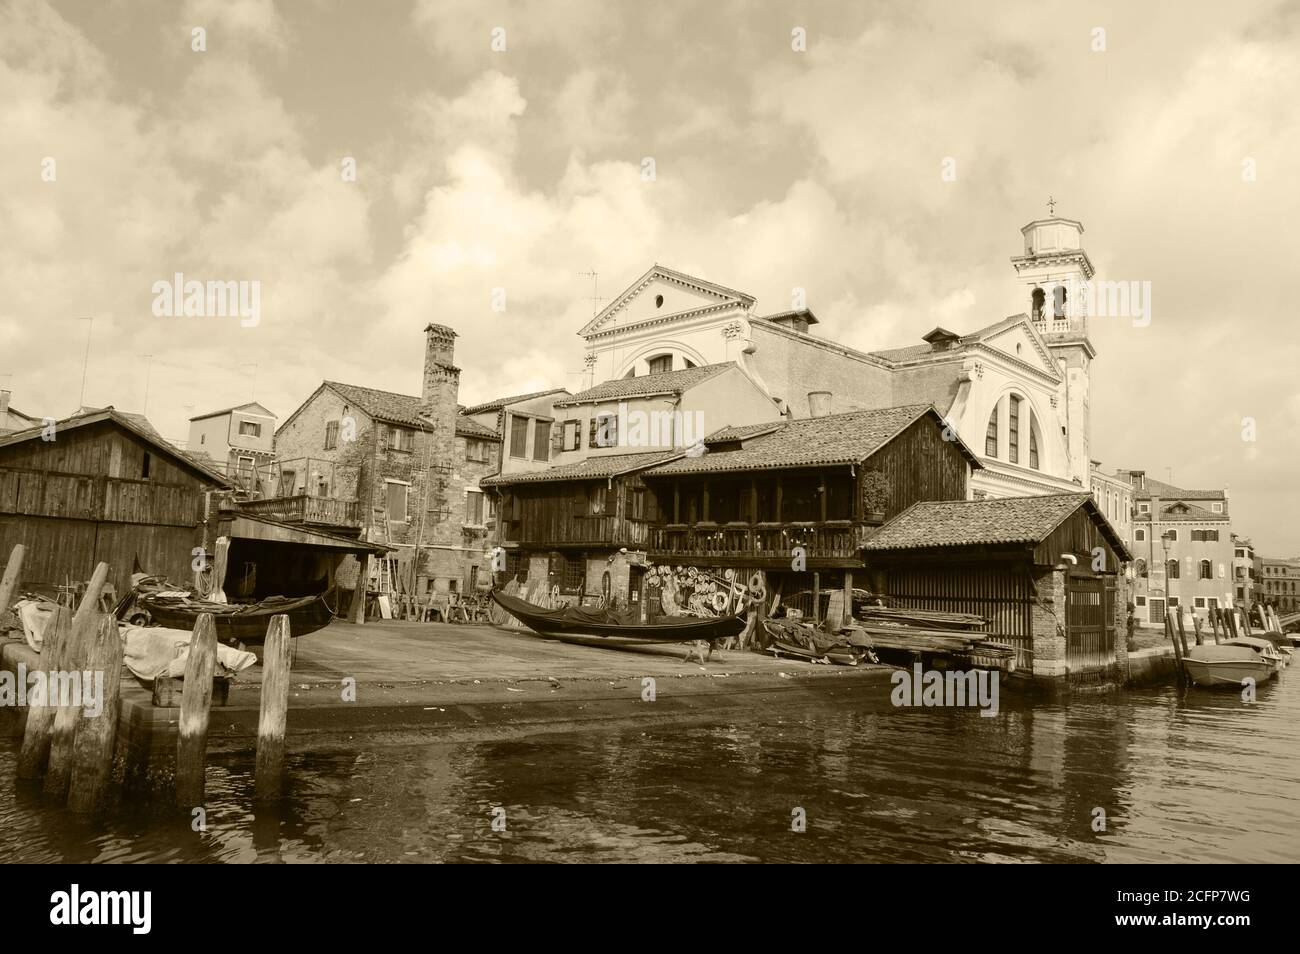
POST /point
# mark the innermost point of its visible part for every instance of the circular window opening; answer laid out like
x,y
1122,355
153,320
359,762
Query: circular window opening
x,y
659,301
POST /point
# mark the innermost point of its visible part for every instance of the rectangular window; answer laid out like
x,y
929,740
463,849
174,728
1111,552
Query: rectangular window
x,y
1213,602
638,503
1157,614
397,502
1216,507
1141,601
288,480
1173,602
1139,535
1199,602
661,364
991,435
542,440
250,428
1144,508
401,439
518,436
474,512
331,435
478,451
572,435
1173,535
1212,535
1013,432
574,573
596,499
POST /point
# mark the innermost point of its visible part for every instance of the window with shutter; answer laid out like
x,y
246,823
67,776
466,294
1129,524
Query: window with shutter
x,y
518,436
331,435
542,440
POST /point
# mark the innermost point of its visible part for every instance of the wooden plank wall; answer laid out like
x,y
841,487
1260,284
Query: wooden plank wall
x,y
919,465
1078,535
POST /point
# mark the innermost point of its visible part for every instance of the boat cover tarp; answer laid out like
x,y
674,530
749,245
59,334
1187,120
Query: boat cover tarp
x,y
153,651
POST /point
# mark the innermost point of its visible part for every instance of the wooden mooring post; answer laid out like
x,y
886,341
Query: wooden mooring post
x,y
58,772
92,748
35,752
269,780
196,702
13,573
1178,652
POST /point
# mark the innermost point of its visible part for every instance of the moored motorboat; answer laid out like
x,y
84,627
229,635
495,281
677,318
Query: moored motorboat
x,y
1265,648
1224,665
602,627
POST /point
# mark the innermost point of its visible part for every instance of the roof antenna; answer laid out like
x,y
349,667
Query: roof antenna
x,y
85,362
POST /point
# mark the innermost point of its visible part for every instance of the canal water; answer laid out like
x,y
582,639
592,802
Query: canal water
x,y
1198,776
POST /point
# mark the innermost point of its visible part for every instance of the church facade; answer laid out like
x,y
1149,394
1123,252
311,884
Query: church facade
x,y
1016,391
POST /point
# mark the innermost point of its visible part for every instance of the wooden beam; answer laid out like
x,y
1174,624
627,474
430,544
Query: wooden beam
x,y
780,495
848,598
359,593
704,501
13,573
817,598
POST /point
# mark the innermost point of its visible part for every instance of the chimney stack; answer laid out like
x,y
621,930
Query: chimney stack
x,y
819,403
441,376
4,407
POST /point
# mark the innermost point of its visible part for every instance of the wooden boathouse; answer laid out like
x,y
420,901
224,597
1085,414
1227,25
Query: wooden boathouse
x,y
1048,571
102,486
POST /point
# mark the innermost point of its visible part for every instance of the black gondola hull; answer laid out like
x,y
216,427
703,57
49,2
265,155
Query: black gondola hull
x,y
577,625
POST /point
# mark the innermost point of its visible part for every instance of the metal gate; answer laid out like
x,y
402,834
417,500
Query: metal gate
x,y
1089,623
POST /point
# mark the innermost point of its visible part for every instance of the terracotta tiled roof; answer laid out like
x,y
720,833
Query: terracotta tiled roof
x,y
804,313
468,427
515,399
956,523
1158,488
387,406
646,384
926,347
727,435
593,468
810,442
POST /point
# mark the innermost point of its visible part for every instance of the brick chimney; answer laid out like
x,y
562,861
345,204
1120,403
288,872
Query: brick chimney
x,y
441,376
4,407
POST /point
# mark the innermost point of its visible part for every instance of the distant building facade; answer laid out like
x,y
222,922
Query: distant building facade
x,y
239,441
1182,548
1279,583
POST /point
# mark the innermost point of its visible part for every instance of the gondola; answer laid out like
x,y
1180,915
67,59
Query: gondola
x,y
602,627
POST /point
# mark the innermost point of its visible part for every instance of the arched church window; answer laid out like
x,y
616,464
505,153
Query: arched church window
x,y
1033,447
1013,431
689,363
1207,570
1036,304
1058,301
661,364
991,435
1172,569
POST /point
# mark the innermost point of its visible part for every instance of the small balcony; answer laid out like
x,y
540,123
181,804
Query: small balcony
x,y
306,510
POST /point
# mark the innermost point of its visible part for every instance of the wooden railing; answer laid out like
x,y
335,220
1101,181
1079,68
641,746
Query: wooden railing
x,y
592,530
832,539
302,508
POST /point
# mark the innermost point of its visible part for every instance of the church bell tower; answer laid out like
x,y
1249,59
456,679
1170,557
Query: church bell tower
x,y
1053,275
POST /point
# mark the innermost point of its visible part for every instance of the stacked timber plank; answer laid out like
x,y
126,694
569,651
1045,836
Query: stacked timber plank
x,y
932,631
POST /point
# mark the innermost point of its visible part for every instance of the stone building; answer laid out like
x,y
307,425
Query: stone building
x,y
398,469
1279,583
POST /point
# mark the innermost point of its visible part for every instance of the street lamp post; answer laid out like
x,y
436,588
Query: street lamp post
x,y
1165,539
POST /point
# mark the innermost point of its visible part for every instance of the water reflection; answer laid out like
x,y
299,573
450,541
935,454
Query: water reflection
x,y
1201,777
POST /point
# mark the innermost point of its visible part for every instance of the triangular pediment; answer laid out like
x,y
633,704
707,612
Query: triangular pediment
x,y
662,293
1016,338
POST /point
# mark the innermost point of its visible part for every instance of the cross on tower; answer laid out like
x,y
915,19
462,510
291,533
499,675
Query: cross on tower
x,y
1051,205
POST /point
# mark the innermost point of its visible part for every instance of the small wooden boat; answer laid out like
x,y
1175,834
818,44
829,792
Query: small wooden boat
x,y
601,627
1225,665
238,623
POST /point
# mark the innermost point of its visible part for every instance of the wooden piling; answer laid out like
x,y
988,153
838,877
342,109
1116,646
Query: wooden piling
x,y
13,573
196,702
359,594
1182,630
847,619
92,749
275,710
817,599
1178,652
35,752
84,627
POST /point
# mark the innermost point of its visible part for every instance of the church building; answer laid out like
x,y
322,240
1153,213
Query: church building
x,y
1015,390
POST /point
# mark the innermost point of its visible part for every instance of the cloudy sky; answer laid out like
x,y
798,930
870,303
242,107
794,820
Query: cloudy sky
x,y
521,168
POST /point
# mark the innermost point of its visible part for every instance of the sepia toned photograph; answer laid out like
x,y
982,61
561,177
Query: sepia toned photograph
x,y
468,431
